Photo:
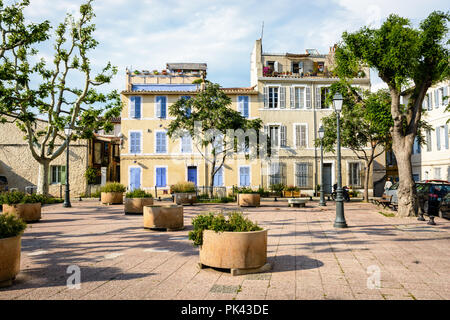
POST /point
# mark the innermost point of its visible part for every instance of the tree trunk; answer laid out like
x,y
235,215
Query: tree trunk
x,y
406,191
211,184
366,181
42,184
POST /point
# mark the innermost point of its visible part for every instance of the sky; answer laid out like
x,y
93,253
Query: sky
x,y
146,34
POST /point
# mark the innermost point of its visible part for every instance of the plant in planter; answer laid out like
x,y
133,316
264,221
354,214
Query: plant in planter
x,y
246,197
277,188
184,192
234,243
291,191
11,229
112,193
25,206
136,200
91,175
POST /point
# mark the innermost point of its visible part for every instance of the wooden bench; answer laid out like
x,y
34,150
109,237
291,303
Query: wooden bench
x,y
385,201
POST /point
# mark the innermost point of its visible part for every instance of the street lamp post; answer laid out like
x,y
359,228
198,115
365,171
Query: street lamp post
x,y
340,218
322,195
68,132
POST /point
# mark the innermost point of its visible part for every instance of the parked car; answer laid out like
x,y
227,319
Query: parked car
x,y
3,183
392,191
430,194
444,207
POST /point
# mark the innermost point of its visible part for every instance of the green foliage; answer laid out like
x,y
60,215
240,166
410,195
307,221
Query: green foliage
x,y
262,192
245,190
91,175
16,197
138,193
277,187
291,188
236,222
113,187
11,225
183,187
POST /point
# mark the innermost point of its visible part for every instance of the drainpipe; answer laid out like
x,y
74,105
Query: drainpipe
x,y
313,93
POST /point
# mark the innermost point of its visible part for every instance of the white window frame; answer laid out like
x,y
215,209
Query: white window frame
x,y
320,86
141,140
239,175
294,128
129,108
140,178
156,142
279,124
268,95
167,175
59,174
295,97
167,107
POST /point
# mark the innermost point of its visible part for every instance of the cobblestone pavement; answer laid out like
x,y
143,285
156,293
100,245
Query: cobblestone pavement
x,y
119,259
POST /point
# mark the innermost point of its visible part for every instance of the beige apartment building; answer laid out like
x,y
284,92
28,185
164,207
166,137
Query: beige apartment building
x,y
287,92
152,161
292,89
432,160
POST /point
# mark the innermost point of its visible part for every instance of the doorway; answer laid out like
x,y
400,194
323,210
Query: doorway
x,y
327,179
192,174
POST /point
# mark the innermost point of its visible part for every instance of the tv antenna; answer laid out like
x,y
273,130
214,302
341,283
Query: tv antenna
x,y
262,30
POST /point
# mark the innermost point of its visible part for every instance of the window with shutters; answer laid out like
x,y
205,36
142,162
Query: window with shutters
x,y
277,136
186,143
440,96
161,142
302,174
161,176
135,109
244,176
135,142
57,174
298,97
323,95
243,106
354,174
277,173
300,135
188,110
273,97
161,106
416,146
437,173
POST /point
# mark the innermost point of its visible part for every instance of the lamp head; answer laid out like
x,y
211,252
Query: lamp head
x,y
321,132
68,130
337,102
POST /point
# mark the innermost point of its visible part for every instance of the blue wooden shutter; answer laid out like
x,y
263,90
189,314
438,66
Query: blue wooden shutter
x,y
137,107
158,107
135,178
132,107
161,177
436,98
163,107
245,107
132,142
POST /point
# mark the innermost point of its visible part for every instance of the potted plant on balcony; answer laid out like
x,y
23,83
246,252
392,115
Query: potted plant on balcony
x,y
11,229
112,193
25,206
235,243
184,193
246,197
136,200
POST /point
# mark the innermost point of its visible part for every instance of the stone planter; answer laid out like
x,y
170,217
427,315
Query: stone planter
x,y
164,217
28,212
185,198
9,259
112,197
248,199
234,250
136,205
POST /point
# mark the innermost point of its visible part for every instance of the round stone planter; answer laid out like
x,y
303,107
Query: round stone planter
x,y
234,250
112,197
185,198
136,205
9,259
248,199
164,217
28,212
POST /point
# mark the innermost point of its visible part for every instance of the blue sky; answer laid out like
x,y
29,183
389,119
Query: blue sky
x,y
146,34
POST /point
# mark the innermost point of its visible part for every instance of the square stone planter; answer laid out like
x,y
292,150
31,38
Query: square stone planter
x,y
169,217
248,199
9,259
136,205
234,250
185,198
112,197
28,212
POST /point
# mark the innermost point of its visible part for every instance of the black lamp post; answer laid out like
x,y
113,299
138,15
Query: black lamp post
x,y
322,195
340,218
68,132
